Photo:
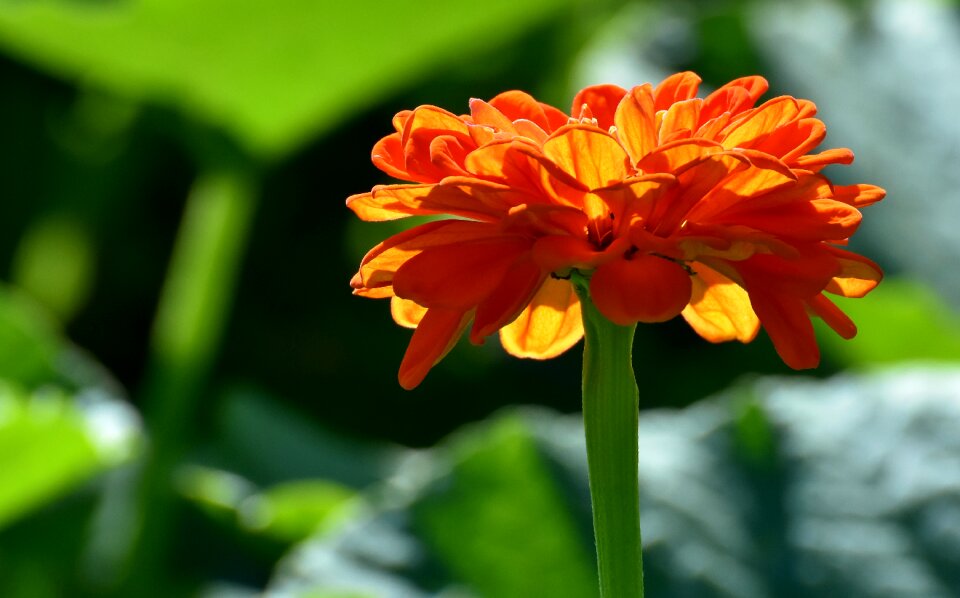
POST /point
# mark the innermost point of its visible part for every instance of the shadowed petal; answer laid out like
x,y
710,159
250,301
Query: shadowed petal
x,y
436,334
857,277
506,302
858,196
786,321
646,288
460,275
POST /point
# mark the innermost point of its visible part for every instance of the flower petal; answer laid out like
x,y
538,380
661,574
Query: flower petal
x,y
591,156
387,155
486,114
675,88
549,325
815,162
436,334
379,265
719,308
645,288
857,277
760,122
504,304
858,196
833,316
680,120
406,313
786,321
635,119
602,100
458,276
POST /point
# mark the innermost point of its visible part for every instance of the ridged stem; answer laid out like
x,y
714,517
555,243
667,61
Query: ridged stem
x,y
610,417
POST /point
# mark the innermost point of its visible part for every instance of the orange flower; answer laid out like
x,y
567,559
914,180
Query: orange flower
x,y
710,208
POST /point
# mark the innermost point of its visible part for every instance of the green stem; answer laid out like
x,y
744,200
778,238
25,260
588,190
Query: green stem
x,y
190,320
610,417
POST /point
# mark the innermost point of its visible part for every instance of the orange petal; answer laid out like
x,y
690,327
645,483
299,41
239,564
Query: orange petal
x,y
602,100
680,120
675,155
646,288
506,302
754,85
816,220
379,265
833,316
676,88
518,105
794,139
719,308
786,321
693,184
857,277
549,325
635,120
486,114
815,162
591,156
758,189
405,312
387,155
438,120
556,253
761,121
458,276
731,100
860,195
436,334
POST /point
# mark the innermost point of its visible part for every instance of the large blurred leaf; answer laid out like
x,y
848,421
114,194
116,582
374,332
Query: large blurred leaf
x,y
781,488
49,442
273,73
60,418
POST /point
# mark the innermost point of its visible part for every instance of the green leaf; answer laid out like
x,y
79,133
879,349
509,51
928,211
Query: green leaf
x,y
500,523
50,442
271,73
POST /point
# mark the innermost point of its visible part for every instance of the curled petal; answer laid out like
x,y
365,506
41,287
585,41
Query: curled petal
x,y
857,277
719,308
816,162
518,105
676,88
549,325
760,122
406,313
435,335
680,120
387,155
674,156
794,139
486,114
858,196
646,288
754,85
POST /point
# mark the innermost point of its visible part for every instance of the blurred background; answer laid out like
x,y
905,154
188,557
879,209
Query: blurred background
x,y
193,403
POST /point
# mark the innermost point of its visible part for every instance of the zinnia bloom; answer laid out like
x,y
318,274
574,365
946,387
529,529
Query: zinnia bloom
x,y
709,208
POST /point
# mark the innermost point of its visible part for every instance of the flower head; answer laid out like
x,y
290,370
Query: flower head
x,y
712,208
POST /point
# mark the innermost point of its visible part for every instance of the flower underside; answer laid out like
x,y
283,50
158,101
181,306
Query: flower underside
x,y
712,208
